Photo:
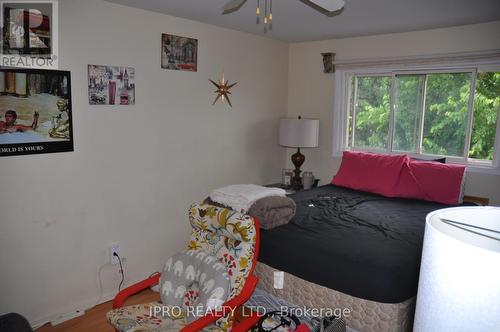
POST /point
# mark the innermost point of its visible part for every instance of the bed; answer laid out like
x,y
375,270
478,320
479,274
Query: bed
x,y
349,249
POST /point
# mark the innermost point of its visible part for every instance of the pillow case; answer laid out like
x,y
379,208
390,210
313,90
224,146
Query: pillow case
x,y
375,173
402,176
432,181
185,270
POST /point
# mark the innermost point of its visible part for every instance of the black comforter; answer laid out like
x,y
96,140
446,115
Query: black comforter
x,y
357,243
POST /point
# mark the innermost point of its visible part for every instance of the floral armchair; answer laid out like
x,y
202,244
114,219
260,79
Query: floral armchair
x,y
230,236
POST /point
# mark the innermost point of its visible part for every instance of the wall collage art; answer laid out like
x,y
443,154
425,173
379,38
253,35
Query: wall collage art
x,y
36,105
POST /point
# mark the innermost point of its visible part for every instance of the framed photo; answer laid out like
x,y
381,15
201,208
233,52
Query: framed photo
x,y
35,111
110,85
179,53
286,177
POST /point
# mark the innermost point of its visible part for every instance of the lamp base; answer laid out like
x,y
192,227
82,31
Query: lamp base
x,y
297,160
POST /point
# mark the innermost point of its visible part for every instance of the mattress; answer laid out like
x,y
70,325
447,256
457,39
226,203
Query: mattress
x,y
360,244
364,315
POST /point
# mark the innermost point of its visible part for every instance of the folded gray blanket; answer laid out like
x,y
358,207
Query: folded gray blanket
x,y
273,211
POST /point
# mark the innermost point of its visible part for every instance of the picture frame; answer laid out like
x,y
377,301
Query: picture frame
x,y
35,111
286,177
111,85
179,53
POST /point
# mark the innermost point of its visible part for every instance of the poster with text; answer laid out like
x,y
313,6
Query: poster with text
x,y
35,111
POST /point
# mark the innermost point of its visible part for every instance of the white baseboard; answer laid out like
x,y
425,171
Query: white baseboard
x,y
67,316
82,307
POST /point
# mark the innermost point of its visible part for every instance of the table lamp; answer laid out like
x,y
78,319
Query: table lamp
x,y
298,133
459,283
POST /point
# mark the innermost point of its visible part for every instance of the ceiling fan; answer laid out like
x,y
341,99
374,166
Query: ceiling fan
x,y
326,7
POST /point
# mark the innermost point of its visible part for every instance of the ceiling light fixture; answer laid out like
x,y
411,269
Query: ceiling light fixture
x,y
329,8
268,14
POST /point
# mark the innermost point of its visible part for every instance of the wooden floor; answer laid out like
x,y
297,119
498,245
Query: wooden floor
x,y
94,319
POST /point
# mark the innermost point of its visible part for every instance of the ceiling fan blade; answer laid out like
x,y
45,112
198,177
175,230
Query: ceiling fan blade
x,y
232,6
327,7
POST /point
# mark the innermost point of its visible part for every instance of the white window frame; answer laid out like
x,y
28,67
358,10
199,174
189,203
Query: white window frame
x,y
341,105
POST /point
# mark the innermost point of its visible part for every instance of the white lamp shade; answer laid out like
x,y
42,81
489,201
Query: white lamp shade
x,y
299,133
459,283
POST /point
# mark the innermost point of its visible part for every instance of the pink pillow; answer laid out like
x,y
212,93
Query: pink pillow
x,y
431,181
375,173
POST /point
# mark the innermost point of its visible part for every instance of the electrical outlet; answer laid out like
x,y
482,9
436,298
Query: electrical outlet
x,y
279,279
114,248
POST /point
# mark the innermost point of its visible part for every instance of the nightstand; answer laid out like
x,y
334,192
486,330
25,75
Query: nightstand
x,y
288,189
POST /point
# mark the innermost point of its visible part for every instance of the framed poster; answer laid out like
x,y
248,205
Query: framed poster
x,y
35,111
111,85
179,53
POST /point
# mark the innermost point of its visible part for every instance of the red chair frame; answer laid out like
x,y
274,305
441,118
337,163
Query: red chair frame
x,y
204,321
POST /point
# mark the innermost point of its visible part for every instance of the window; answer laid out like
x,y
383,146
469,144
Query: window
x,y
486,106
452,113
371,111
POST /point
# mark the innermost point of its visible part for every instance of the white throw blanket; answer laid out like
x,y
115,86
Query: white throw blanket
x,y
240,197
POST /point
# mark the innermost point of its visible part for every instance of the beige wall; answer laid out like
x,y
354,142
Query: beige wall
x,y
310,91
135,169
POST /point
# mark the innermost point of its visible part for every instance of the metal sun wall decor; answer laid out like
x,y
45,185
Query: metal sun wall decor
x,y
222,91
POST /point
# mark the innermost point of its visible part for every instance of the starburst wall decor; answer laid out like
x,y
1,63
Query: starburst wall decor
x,y
222,91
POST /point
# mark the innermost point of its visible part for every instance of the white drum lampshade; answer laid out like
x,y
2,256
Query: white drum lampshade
x,y
459,283
299,133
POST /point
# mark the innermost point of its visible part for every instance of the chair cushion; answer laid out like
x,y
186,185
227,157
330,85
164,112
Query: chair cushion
x,y
228,235
183,270
231,237
142,318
